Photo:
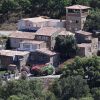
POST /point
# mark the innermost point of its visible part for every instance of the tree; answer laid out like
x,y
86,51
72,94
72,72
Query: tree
x,y
8,6
66,46
24,6
86,98
14,97
69,87
88,68
48,95
47,70
93,21
14,88
22,90
96,93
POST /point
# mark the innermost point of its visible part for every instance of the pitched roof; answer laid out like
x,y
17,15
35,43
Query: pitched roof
x,y
23,35
46,51
47,31
36,19
83,33
83,45
78,7
65,33
12,53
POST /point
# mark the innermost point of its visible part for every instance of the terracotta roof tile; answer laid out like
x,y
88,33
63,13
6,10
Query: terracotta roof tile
x,y
83,45
26,35
47,31
65,33
83,32
36,19
46,51
78,7
12,53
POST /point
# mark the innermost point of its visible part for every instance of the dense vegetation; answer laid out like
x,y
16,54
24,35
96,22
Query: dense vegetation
x,y
24,90
12,10
66,46
80,80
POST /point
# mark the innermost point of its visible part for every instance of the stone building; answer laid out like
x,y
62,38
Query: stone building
x,y
76,17
40,43
88,45
84,49
17,36
44,55
48,34
31,45
33,24
83,36
18,58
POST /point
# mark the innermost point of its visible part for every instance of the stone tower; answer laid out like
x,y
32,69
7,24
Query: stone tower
x,y
76,17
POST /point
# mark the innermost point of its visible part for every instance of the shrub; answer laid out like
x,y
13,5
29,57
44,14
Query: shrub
x,y
47,70
42,70
96,93
36,71
14,97
60,70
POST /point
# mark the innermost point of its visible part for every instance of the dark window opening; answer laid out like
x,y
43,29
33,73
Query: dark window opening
x,y
77,21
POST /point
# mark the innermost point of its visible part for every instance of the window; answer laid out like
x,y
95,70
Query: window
x,y
43,37
26,46
46,38
39,37
77,21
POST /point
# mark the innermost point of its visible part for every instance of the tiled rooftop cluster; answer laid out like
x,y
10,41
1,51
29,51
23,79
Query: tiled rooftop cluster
x,y
37,36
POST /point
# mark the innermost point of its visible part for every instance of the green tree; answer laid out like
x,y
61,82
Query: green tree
x,y
49,95
14,88
14,97
66,46
69,87
96,93
93,21
36,87
88,68
8,6
86,98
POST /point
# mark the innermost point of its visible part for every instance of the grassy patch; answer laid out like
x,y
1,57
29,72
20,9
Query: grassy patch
x,y
2,72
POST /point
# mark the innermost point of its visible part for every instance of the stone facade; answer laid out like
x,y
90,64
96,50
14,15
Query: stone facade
x,y
41,42
76,17
84,49
88,45
42,58
83,37
48,34
17,58
18,36
33,24
31,45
